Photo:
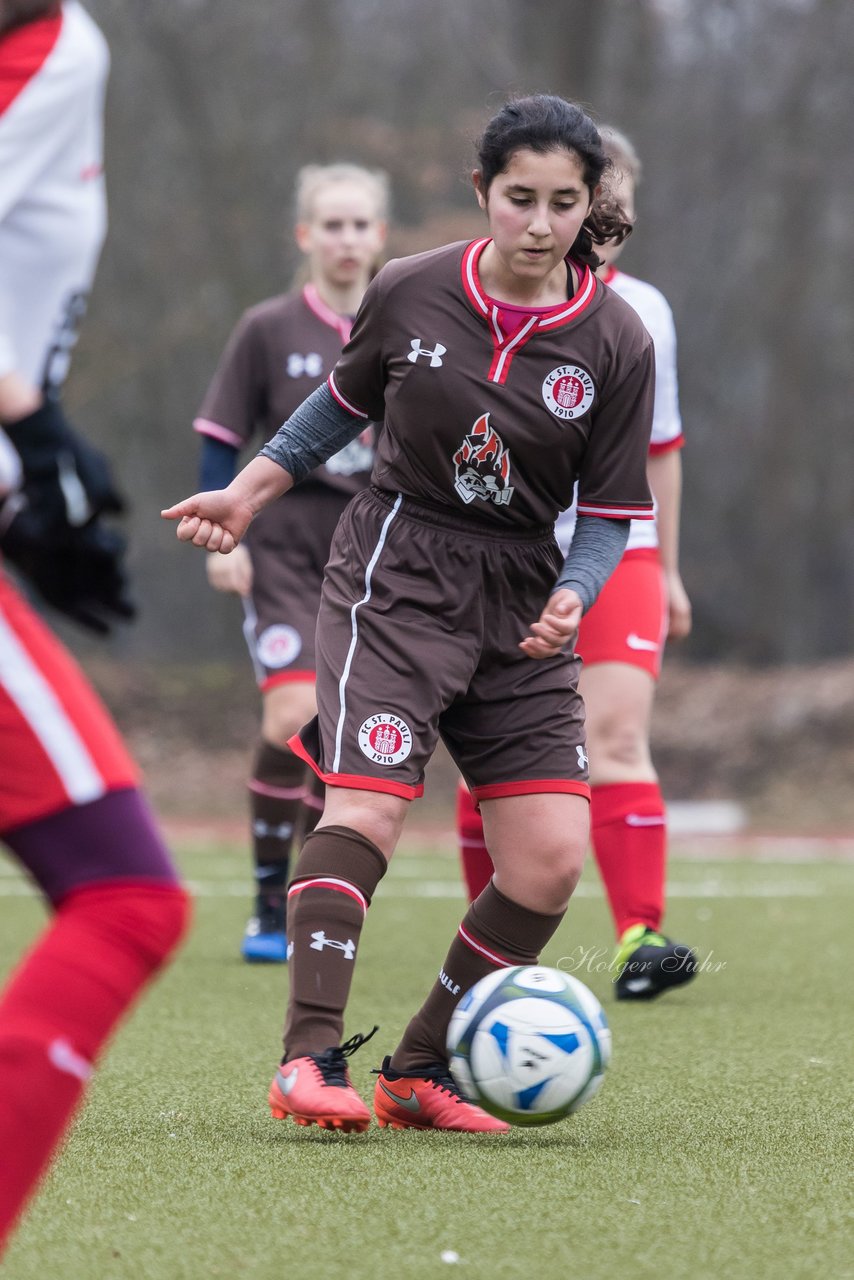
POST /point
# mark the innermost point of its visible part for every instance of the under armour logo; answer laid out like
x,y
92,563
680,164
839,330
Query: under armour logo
x,y
320,941
435,356
308,366
282,831
582,757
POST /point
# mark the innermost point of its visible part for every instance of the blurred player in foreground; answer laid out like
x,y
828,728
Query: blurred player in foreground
x,y
70,809
502,371
621,642
279,352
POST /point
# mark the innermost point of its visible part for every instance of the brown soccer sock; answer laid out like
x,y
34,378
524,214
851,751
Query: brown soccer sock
x,y
494,933
333,883
276,792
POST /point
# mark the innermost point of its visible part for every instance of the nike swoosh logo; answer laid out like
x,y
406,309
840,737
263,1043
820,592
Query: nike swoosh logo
x,y
286,1083
640,820
410,1104
639,984
637,642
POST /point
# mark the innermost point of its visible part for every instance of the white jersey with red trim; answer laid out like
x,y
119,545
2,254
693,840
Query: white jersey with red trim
x,y
654,310
53,75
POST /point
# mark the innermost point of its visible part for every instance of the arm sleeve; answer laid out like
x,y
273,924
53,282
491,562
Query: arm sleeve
x,y
595,551
612,482
217,465
313,433
235,399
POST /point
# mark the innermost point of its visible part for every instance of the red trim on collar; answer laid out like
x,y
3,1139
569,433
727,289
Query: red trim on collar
x,y
549,318
23,52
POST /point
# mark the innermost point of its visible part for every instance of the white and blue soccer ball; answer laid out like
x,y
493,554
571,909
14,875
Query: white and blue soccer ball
x,y
529,1044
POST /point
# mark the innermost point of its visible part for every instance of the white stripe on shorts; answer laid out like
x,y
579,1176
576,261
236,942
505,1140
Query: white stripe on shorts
x,y
40,707
345,675
250,623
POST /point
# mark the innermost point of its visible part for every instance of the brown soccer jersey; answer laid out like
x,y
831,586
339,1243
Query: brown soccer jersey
x,y
280,351
497,419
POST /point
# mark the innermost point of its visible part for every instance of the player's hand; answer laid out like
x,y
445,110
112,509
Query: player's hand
x,y
79,572
678,608
66,479
556,627
231,573
215,520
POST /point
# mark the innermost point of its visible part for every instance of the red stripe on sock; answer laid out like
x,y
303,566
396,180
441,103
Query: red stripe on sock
x,y
337,886
500,962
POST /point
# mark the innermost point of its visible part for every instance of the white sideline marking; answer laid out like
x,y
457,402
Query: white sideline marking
x,y
450,889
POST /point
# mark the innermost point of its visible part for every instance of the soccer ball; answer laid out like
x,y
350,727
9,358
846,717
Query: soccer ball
x,y
529,1044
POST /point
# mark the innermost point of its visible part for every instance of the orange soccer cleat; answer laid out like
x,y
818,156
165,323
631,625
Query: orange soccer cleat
x,y
317,1089
428,1099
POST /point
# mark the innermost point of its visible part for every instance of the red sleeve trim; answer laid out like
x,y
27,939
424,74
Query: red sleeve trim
x,y
343,401
287,677
667,446
355,781
562,786
23,52
640,512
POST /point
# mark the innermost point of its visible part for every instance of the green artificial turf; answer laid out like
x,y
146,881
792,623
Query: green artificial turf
x,y
719,1146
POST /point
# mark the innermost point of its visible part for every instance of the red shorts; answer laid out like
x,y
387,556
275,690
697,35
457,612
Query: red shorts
x,y
58,745
628,622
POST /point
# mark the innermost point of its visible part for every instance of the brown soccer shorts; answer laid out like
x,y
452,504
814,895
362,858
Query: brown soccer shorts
x,y
421,616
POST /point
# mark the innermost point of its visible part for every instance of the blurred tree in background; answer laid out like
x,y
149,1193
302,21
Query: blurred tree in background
x,y
741,111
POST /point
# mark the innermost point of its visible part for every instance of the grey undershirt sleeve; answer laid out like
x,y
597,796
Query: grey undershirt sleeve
x,y
595,551
313,433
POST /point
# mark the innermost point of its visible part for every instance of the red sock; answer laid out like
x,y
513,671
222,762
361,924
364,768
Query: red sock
x,y
477,864
629,832
59,1008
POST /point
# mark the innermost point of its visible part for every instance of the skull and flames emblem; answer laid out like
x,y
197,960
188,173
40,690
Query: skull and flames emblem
x,y
483,466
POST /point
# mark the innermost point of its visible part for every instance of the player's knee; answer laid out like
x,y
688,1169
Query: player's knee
x,y
563,871
616,743
545,880
284,714
377,817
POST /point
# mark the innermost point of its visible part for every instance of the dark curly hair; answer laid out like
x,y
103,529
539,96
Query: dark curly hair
x,y
545,123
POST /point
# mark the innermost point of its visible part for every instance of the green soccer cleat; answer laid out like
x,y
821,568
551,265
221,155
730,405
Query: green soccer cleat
x,y
648,964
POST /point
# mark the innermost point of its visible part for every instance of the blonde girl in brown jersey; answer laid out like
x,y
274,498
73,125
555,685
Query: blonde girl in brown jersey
x,y
473,356
279,351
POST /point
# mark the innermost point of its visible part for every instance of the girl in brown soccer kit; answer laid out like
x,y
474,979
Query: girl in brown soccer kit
x,y
278,353
503,372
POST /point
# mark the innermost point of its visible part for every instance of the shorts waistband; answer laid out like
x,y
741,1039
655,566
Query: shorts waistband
x,y
445,518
